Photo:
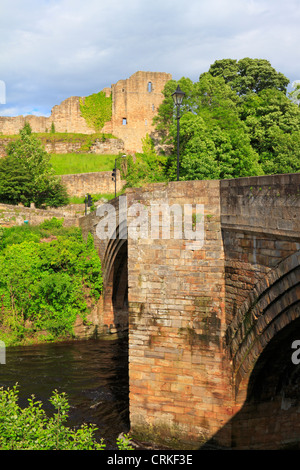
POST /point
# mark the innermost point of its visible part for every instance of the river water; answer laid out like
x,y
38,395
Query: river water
x,y
93,374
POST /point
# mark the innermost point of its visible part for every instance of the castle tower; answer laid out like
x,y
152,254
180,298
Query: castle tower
x,y
135,103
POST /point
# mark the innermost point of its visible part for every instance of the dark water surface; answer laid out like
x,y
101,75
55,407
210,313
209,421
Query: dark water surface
x,y
93,374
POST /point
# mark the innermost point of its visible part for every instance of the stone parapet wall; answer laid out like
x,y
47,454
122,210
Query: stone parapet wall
x,y
91,183
17,215
260,226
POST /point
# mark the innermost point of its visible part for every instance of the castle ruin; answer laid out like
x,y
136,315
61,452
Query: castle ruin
x,y
135,102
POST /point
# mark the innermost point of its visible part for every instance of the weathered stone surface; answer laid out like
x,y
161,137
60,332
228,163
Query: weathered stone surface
x,y
91,183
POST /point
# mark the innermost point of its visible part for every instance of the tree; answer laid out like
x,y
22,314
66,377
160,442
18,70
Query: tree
x,y
27,175
249,75
235,121
15,182
214,142
30,428
273,124
146,167
166,112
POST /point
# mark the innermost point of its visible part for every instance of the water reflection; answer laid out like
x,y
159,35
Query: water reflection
x,y
93,373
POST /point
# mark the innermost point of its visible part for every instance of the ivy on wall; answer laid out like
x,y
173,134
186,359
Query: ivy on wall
x,y
96,110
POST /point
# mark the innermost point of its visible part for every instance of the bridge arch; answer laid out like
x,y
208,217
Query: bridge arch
x,y
115,281
272,306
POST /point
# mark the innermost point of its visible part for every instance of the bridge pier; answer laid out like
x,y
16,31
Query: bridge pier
x,y
180,381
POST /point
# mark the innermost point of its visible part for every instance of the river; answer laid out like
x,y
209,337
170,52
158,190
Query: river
x,y
93,374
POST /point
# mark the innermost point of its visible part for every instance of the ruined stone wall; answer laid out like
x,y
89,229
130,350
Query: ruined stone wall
x,y
65,116
135,100
12,125
135,103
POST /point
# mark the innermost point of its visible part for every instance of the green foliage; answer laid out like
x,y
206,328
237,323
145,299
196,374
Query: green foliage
x,y
145,167
96,197
249,75
96,110
166,112
44,286
30,428
15,182
235,121
273,124
26,174
51,224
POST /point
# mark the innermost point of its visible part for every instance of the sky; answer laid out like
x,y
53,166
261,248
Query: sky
x,y
53,49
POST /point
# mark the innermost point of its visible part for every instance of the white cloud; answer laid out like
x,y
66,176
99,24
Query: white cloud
x,y
52,49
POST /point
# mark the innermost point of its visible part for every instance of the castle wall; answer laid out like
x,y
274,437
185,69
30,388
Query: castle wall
x,y
135,103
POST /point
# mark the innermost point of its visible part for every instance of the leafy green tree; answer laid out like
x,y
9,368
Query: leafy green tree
x,y
166,112
145,167
249,75
27,166
15,182
235,121
209,151
273,123
214,142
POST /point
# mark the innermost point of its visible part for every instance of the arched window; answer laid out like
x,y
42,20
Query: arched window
x,y
124,121
149,87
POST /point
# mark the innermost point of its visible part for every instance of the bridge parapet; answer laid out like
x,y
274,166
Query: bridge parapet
x,y
260,227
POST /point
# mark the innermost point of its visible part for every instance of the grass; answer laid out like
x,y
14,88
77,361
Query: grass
x,y
63,136
96,197
72,163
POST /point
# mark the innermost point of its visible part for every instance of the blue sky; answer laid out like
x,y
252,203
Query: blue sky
x,y
53,49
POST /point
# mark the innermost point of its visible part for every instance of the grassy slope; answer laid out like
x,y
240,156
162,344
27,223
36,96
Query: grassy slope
x,y
70,163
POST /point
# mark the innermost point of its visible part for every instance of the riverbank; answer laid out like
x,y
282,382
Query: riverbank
x,y
50,285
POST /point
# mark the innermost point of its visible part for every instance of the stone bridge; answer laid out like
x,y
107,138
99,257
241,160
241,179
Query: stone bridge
x,y
211,325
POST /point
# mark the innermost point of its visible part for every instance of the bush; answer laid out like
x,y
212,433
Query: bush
x,y
31,429
46,285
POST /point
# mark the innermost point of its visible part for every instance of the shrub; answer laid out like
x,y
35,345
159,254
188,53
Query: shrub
x,y
31,429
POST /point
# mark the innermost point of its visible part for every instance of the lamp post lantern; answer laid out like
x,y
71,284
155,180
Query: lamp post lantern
x,y
178,96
